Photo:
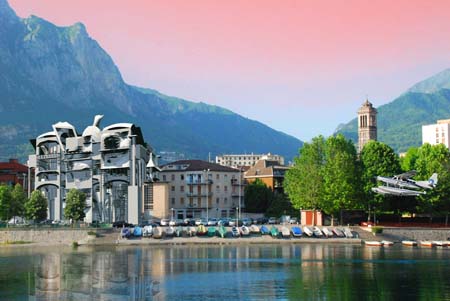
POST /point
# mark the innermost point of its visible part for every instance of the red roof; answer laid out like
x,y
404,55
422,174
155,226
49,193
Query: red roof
x,y
13,166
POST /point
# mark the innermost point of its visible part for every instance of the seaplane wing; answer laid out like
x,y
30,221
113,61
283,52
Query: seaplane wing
x,y
406,175
396,191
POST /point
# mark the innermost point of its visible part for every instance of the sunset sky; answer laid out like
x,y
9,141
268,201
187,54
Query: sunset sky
x,y
301,67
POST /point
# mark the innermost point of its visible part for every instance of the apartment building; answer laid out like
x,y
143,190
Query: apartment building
x,y
269,172
438,133
202,189
247,159
110,165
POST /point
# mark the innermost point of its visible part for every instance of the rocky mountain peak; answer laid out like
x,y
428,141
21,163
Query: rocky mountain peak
x,y
433,84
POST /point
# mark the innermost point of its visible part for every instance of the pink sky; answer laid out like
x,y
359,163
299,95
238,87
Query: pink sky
x,y
301,67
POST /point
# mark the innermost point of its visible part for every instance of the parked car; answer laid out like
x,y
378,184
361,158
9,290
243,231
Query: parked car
x,y
246,221
273,220
262,220
224,222
200,221
212,222
120,224
293,220
164,222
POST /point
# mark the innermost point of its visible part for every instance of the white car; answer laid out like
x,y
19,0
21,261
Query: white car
x,y
164,222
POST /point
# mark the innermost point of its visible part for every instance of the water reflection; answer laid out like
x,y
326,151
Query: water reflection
x,y
309,271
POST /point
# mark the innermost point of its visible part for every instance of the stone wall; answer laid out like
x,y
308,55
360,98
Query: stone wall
x,y
416,233
50,236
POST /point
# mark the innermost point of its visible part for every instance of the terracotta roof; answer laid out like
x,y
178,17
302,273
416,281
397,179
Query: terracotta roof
x,y
197,165
13,165
265,168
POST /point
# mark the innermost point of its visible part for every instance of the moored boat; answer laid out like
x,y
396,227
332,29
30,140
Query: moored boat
x,y
296,231
192,231
201,230
265,230
169,232
147,231
373,243
409,243
439,243
235,232
254,229
212,231
285,233
348,233
125,233
157,232
427,243
338,232
308,231
327,232
245,231
274,231
387,243
179,231
317,232
221,231
137,232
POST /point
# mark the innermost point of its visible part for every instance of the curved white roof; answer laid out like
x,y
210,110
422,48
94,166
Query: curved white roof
x,y
94,132
47,135
118,125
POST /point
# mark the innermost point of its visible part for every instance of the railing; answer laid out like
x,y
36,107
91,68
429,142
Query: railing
x,y
197,194
208,182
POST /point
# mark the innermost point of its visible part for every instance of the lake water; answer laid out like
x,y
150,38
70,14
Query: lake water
x,y
231,272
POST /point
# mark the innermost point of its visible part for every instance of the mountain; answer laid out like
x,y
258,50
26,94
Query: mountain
x,y
50,74
400,121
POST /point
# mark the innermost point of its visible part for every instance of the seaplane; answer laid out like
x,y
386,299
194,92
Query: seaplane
x,y
403,185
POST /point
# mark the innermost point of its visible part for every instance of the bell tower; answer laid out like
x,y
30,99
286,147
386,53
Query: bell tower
x,y
367,124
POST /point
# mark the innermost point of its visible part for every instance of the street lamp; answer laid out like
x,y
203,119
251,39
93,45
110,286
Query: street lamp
x,y
240,179
172,212
237,221
206,194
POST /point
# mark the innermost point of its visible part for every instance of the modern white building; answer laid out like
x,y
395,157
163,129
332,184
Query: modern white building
x,y
437,133
246,159
109,165
202,189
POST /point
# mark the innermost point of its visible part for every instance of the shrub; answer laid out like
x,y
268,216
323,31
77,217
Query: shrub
x,y
377,230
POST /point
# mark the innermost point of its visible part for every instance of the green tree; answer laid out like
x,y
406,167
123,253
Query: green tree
x,y
18,198
303,182
408,162
281,205
5,202
340,174
258,196
36,206
377,159
75,205
434,159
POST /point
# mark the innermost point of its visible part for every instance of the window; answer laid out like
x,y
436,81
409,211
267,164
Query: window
x,y
182,177
217,177
173,201
217,200
225,200
172,188
225,176
181,188
164,177
172,177
225,188
182,201
218,188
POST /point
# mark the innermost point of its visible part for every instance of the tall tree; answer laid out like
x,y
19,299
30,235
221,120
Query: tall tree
x,y
18,198
377,159
304,181
75,205
340,174
258,197
408,162
5,202
36,206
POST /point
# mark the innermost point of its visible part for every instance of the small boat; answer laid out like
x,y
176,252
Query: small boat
x,y
285,233
264,230
192,231
387,243
235,232
274,231
296,231
201,230
427,243
212,231
147,231
179,231
254,229
317,232
125,233
439,243
221,232
373,243
308,231
338,232
157,232
137,231
169,232
245,231
348,233
327,232
409,243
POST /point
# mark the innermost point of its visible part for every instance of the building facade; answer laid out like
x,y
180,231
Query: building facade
x,y
269,172
111,166
438,133
247,159
12,173
202,189
367,124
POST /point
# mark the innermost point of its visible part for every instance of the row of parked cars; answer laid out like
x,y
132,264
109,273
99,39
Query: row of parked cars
x,y
227,222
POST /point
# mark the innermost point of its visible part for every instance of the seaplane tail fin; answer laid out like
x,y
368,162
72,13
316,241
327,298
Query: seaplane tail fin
x,y
433,180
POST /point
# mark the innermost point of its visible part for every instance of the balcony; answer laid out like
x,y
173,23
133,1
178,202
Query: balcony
x,y
207,182
199,194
